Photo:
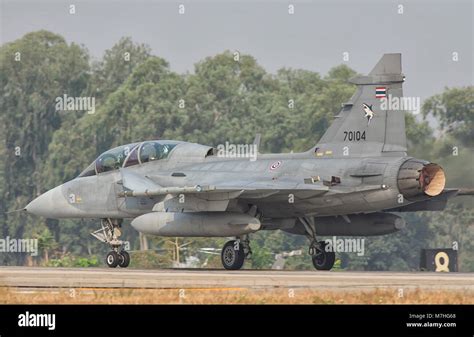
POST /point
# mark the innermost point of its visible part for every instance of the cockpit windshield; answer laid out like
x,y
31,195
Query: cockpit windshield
x,y
129,155
150,151
113,159
89,171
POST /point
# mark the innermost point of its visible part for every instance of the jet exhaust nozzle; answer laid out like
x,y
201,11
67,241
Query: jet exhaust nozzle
x,y
418,179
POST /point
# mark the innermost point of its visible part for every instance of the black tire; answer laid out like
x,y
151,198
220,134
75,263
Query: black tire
x,y
124,259
232,259
323,260
112,259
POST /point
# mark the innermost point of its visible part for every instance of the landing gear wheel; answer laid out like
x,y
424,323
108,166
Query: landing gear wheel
x,y
233,255
112,259
323,260
124,259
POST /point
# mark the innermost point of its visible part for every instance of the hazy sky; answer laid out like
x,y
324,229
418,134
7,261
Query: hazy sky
x,y
313,38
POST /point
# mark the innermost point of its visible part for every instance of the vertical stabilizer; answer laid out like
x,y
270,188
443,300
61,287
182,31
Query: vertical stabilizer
x,y
363,127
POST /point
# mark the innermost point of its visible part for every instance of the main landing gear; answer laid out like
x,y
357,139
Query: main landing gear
x,y
235,252
322,259
110,233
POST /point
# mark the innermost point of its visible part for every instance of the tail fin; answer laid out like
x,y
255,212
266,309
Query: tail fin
x,y
362,127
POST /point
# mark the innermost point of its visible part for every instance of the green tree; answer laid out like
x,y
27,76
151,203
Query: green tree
x,y
454,109
46,243
34,71
116,66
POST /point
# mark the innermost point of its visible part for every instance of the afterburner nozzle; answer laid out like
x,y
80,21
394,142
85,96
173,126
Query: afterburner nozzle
x,y
418,179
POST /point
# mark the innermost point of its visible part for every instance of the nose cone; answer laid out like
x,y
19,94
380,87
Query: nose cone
x,y
51,204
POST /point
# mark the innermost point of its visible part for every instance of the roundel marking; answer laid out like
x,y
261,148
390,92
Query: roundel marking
x,y
275,165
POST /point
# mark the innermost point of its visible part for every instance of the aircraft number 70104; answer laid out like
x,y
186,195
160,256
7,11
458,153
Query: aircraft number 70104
x,y
354,135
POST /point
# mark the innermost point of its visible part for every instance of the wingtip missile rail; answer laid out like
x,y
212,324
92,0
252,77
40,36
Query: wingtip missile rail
x,y
168,190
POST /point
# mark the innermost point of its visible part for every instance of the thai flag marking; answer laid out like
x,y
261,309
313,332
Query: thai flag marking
x,y
380,92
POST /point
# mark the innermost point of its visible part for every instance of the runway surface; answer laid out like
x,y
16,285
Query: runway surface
x,y
37,277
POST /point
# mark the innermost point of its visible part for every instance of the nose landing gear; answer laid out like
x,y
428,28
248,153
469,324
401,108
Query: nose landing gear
x,y
115,259
110,233
124,259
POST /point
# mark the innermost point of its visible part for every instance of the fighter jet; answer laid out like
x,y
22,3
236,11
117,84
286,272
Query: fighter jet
x,y
351,183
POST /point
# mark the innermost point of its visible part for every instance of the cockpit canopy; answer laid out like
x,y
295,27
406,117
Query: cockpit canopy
x,y
129,155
